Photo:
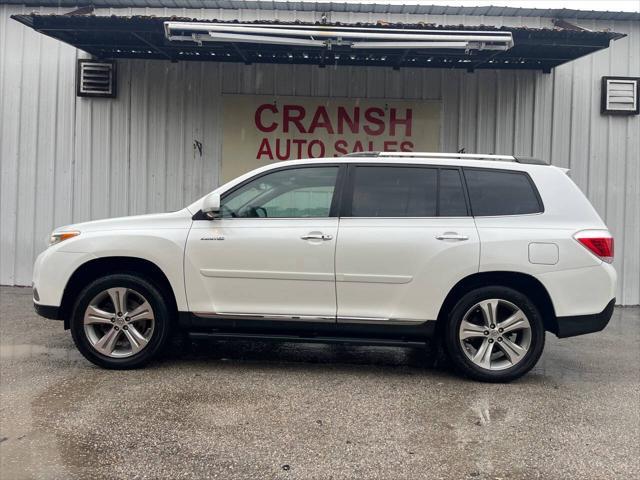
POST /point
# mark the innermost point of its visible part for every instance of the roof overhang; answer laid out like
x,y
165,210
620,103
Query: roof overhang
x,y
380,7
390,45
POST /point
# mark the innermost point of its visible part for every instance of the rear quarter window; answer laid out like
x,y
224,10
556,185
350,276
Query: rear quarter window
x,y
501,192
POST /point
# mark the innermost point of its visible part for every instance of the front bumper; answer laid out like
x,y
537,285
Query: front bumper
x,y
48,311
51,273
583,324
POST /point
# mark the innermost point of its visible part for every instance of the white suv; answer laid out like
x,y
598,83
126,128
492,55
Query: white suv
x,y
484,252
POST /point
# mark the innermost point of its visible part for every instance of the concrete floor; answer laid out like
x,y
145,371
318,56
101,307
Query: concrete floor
x,y
255,410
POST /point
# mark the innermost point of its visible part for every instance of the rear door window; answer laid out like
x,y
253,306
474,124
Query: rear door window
x,y
394,192
501,192
406,191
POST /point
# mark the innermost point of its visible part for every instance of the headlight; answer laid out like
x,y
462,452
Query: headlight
x,y
57,237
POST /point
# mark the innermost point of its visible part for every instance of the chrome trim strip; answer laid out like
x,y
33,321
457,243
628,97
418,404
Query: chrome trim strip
x,y
310,318
257,316
380,320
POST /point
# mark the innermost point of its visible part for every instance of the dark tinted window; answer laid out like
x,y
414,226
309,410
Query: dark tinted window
x,y
394,192
497,192
452,203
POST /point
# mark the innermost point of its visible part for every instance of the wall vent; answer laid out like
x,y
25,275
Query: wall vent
x,y
620,95
96,78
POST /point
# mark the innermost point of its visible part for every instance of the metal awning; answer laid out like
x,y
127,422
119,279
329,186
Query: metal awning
x,y
388,45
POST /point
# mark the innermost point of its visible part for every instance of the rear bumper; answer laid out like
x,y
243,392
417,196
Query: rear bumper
x,y
582,324
582,291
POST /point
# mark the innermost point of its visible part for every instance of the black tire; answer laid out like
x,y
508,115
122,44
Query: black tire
x,y
455,351
161,312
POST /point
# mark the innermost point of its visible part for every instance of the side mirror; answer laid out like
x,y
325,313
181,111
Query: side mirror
x,y
211,205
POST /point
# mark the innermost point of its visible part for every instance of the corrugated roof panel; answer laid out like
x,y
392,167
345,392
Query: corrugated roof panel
x,y
360,7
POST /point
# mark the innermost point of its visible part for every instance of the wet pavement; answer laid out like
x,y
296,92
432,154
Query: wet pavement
x,y
259,410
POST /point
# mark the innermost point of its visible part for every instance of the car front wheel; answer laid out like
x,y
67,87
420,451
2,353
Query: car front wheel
x,y
120,321
494,334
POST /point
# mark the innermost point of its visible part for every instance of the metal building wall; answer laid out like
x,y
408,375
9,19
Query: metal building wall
x,y
66,159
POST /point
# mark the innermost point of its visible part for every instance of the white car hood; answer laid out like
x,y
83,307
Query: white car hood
x,y
179,219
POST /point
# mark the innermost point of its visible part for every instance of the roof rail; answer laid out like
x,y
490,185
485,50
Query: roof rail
x,y
362,154
467,156
462,156
531,160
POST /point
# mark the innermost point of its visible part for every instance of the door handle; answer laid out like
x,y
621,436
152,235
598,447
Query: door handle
x,y
316,236
451,236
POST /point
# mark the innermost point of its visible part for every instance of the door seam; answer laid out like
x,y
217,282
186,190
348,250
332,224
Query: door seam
x,y
335,271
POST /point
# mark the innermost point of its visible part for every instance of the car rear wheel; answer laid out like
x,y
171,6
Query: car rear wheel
x,y
494,334
120,321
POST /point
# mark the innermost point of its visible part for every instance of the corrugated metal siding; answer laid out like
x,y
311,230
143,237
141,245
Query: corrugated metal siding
x,y
66,159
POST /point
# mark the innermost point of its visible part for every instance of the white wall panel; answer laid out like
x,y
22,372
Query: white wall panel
x,y
486,113
468,112
451,107
27,145
506,111
543,111
524,113
65,159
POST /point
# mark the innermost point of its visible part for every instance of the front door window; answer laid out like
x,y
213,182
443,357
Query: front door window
x,y
292,193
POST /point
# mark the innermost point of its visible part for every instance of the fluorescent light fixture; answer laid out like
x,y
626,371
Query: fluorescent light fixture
x,y
233,37
409,45
327,35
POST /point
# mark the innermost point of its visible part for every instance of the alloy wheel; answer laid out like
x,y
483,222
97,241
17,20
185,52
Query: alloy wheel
x,y
119,322
495,334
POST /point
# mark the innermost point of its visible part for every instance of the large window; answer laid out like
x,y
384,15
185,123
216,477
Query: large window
x,y
501,192
394,192
389,191
291,193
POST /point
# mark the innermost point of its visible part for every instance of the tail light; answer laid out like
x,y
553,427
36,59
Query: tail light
x,y
598,242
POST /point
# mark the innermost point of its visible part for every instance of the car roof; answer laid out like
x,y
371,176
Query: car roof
x,y
505,162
